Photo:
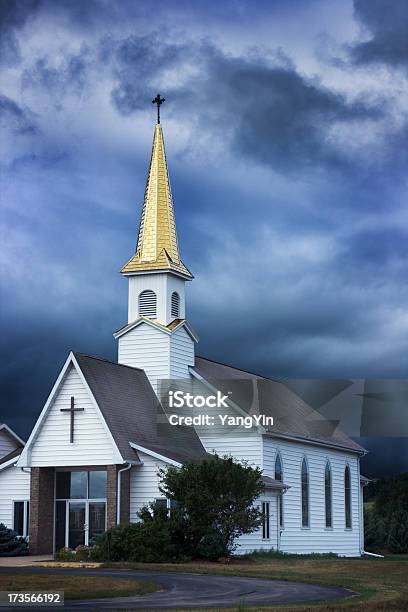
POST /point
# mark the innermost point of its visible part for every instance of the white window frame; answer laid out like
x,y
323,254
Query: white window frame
x,y
266,519
347,468
168,503
25,516
87,500
281,512
328,463
304,459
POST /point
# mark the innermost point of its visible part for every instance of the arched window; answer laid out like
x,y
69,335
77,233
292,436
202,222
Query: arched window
x,y
347,497
305,494
279,476
147,303
328,495
175,305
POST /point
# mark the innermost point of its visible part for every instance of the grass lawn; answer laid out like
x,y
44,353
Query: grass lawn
x,y
382,584
76,587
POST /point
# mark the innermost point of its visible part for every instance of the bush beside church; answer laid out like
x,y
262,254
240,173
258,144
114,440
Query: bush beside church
x,y
11,544
212,506
386,515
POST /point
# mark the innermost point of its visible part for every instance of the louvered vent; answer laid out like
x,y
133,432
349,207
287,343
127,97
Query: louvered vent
x,y
147,303
175,305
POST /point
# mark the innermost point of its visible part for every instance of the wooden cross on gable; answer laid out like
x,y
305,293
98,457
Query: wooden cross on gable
x,y
72,412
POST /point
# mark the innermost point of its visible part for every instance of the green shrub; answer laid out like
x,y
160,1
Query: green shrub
x,y
11,544
214,506
81,553
386,520
148,541
212,546
65,554
213,495
397,540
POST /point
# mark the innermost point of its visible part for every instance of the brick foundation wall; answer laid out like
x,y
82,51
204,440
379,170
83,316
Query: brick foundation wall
x,y
125,497
41,528
111,495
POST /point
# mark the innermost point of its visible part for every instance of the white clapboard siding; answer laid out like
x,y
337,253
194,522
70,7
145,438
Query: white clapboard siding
x,y
7,443
14,486
254,541
161,355
240,445
148,348
144,484
91,446
315,539
181,353
231,440
144,489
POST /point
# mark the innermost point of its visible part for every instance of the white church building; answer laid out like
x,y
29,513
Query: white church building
x,y
93,456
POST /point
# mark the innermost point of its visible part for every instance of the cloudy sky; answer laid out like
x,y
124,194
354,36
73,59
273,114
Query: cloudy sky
x,y
286,126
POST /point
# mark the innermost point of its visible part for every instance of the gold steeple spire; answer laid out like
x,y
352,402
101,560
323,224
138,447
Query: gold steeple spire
x,y
157,246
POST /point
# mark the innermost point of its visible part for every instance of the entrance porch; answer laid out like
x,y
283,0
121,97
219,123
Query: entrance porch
x,y
72,506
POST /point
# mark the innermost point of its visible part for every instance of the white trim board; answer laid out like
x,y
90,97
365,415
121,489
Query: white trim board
x,y
10,462
25,457
127,328
147,451
11,432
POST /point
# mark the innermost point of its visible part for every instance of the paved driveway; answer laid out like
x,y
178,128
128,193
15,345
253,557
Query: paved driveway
x,y
182,590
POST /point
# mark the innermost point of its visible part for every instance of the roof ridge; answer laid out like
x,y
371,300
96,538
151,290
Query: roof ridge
x,y
122,365
240,369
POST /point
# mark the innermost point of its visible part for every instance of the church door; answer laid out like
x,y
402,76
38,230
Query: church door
x,y
80,507
76,524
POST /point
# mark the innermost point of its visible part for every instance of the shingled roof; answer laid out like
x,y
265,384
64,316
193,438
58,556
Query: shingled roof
x,y
256,394
133,414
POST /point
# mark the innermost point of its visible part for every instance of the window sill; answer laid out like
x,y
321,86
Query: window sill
x,y
348,529
306,528
328,529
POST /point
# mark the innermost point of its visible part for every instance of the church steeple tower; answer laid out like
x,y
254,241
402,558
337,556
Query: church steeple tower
x,y
157,245
157,336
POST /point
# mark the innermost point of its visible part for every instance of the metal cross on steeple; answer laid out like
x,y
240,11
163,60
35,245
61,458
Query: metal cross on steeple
x,y
72,412
159,101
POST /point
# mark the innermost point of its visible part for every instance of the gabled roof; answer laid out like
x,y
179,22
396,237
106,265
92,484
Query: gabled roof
x,y
133,413
7,458
274,485
169,329
157,245
293,417
12,434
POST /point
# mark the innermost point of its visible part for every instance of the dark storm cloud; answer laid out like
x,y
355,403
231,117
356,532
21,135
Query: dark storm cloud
x,y
386,22
13,16
293,114
293,226
15,118
376,247
137,62
274,114
71,74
